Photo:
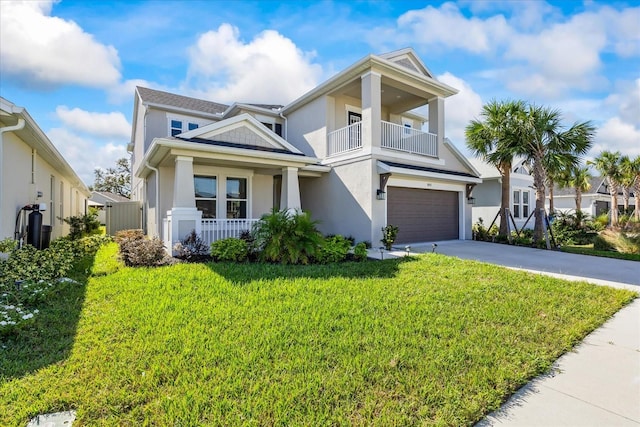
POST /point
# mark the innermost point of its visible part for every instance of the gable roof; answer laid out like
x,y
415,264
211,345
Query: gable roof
x,y
180,102
488,171
598,185
243,130
407,58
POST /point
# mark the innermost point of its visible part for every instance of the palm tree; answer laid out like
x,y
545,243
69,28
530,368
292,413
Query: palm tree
x,y
558,172
581,182
493,140
627,180
544,141
608,164
635,168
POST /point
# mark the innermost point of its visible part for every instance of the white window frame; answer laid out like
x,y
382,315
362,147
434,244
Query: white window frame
x,y
52,201
61,210
246,199
215,199
526,205
516,204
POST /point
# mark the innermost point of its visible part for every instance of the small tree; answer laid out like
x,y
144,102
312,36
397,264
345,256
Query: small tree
x,y
115,179
608,164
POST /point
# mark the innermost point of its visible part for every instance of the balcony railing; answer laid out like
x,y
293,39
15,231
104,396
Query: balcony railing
x,y
393,137
402,138
218,229
345,139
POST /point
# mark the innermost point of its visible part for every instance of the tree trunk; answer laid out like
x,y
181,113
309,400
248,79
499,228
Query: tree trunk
x,y
551,207
578,200
636,194
505,171
625,198
538,182
613,192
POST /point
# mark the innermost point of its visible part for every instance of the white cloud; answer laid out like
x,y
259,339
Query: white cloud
x,y
84,155
447,26
617,135
627,101
268,69
39,49
107,125
459,109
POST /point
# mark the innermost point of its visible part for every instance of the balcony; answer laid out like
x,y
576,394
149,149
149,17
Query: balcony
x,y
392,136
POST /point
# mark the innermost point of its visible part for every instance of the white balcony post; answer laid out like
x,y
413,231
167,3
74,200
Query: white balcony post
x,y
371,109
436,119
184,215
290,193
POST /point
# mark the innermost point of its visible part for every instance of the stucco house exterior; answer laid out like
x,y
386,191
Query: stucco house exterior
x,y
352,151
488,194
33,171
595,201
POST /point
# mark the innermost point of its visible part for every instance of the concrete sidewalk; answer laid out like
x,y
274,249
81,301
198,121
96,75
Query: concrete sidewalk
x,y
596,384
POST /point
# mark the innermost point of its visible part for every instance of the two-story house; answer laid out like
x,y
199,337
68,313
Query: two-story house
x,y
352,151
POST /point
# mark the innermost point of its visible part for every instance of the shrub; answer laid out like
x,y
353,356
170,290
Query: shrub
x,y
132,234
360,251
8,245
389,234
621,241
231,249
192,248
480,232
600,244
143,253
334,249
83,225
574,229
287,238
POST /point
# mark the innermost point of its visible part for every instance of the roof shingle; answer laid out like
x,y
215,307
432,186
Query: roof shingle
x,y
153,96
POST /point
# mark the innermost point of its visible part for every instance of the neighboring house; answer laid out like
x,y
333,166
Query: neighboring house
x,y
595,201
352,151
103,199
33,171
487,196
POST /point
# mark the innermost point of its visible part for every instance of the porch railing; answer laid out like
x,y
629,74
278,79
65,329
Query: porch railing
x,y
401,138
218,229
345,139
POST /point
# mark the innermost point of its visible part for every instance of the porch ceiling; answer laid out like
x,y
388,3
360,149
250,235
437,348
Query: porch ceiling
x,y
396,96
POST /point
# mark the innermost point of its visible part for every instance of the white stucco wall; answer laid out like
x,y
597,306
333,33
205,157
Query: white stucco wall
x,y
307,128
18,189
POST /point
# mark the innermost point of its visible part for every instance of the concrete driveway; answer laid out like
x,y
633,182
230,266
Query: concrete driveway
x,y
599,270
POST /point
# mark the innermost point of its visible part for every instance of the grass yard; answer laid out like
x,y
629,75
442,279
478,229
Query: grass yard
x,y
588,250
428,340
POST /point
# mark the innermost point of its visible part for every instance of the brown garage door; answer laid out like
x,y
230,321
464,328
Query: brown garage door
x,y
423,215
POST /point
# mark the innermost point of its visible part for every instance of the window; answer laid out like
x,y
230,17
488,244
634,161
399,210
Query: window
x,y
236,197
176,127
278,129
52,201
516,204
193,126
61,210
525,204
206,193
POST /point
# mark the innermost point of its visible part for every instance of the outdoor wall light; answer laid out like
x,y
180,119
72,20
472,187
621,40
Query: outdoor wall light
x,y
471,200
381,195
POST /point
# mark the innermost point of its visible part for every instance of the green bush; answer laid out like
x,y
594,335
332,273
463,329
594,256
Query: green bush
x,y
8,245
389,234
600,244
481,233
287,237
231,249
574,229
360,251
192,248
83,225
334,249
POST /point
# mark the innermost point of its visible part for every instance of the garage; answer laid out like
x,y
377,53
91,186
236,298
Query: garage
x,y
423,215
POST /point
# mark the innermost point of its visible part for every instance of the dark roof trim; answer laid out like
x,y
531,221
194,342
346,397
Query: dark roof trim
x,y
240,146
428,169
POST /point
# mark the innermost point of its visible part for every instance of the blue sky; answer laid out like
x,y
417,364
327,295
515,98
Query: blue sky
x,y
74,64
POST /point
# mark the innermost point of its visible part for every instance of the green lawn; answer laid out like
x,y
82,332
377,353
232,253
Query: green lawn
x,y
430,340
588,250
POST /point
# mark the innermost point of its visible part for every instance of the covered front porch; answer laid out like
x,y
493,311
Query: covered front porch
x,y
202,182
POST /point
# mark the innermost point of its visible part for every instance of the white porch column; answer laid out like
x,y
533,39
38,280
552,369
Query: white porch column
x,y
371,109
290,193
436,119
184,215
